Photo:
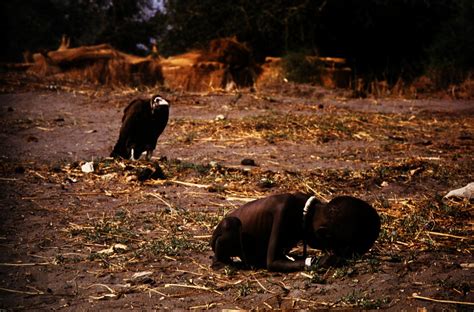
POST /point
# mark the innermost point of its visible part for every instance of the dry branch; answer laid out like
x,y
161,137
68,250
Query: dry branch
x,y
25,264
98,64
263,287
9,179
101,285
190,184
21,291
162,200
308,301
416,296
268,305
205,306
449,235
194,287
161,182
243,199
103,51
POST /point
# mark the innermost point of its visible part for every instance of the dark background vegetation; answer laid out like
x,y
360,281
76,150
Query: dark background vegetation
x,y
382,39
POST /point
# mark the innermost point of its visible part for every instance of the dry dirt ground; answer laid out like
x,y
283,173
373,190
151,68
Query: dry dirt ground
x,y
121,238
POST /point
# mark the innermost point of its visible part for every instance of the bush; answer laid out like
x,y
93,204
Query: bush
x,y
451,53
299,68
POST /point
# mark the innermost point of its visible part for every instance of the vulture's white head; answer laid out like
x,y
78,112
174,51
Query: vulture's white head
x,y
157,101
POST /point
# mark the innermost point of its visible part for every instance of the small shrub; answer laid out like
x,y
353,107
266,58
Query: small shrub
x,y
299,68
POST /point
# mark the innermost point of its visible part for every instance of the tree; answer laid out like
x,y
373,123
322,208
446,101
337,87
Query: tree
x,y
382,39
39,24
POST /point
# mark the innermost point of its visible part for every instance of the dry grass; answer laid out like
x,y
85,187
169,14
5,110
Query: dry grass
x,y
119,221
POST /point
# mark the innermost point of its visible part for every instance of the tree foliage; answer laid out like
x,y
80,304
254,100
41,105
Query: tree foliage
x,y
382,39
39,24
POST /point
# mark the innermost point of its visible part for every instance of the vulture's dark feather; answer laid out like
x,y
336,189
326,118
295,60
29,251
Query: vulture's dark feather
x,y
143,122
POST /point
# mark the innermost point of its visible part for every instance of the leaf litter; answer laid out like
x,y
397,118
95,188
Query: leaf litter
x,y
156,217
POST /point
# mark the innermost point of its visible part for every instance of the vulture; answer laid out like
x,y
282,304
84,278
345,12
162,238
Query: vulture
x,y
143,122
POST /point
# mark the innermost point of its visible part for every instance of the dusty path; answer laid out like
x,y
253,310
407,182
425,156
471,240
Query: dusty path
x,y
58,226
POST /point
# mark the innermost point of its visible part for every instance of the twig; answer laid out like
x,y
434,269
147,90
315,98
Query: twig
x,y
403,243
244,199
260,284
44,129
205,268
184,271
162,200
222,280
35,289
202,236
73,194
38,197
83,193
306,275
156,291
269,306
22,292
205,306
80,227
308,301
318,194
273,162
102,285
189,184
429,158
24,264
448,235
39,175
103,296
416,296
160,182
105,192
192,193
194,287
37,256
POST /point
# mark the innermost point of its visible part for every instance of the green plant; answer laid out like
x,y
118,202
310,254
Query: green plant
x,y
175,245
317,279
244,289
229,271
358,299
183,166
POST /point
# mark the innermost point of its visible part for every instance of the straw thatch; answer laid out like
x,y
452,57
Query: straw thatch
x,y
329,72
226,64
98,64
